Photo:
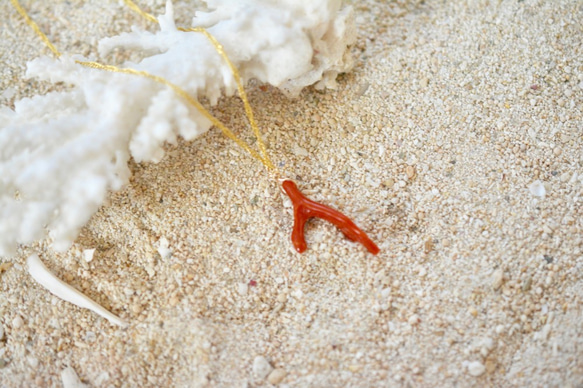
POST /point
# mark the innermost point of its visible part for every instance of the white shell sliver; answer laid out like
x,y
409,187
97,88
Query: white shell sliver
x,y
56,286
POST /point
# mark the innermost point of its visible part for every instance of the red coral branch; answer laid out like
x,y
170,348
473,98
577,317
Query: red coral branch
x,y
305,208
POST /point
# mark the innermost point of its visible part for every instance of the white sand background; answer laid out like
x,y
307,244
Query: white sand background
x,y
431,144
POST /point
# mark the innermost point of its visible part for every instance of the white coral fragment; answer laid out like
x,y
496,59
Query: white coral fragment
x,y
61,153
56,286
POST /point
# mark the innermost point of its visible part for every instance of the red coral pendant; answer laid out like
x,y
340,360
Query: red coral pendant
x,y
305,208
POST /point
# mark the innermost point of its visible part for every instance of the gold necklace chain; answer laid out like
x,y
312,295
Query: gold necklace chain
x,y
263,157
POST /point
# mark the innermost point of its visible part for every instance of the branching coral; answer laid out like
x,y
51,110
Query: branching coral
x,y
61,153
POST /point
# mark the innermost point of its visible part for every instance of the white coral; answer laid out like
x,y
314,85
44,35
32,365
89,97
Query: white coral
x,y
61,153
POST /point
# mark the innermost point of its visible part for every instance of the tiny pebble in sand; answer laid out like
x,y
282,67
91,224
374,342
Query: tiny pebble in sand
x,y
261,367
476,368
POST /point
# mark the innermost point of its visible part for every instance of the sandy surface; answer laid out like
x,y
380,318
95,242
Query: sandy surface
x,y
454,109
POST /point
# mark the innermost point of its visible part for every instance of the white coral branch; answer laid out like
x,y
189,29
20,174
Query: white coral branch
x,y
61,153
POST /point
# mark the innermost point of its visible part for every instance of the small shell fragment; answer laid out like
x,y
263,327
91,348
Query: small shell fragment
x,y
70,379
497,279
56,286
164,248
476,368
537,188
261,367
88,254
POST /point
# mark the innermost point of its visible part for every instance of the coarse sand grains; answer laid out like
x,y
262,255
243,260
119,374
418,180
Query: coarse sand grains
x,y
456,144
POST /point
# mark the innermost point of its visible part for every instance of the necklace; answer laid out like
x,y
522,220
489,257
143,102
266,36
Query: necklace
x,y
304,208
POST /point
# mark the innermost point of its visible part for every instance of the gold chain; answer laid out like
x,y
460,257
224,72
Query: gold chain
x,y
137,9
35,27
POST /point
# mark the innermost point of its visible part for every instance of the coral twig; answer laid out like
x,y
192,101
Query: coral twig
x,y
305,209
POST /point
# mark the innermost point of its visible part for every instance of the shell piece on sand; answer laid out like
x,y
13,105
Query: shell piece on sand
x,y
56,286
70,379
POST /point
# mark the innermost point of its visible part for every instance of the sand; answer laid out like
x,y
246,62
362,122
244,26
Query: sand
x,y
433,144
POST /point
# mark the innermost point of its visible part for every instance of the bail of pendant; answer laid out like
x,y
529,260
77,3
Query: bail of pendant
x,y
305,208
